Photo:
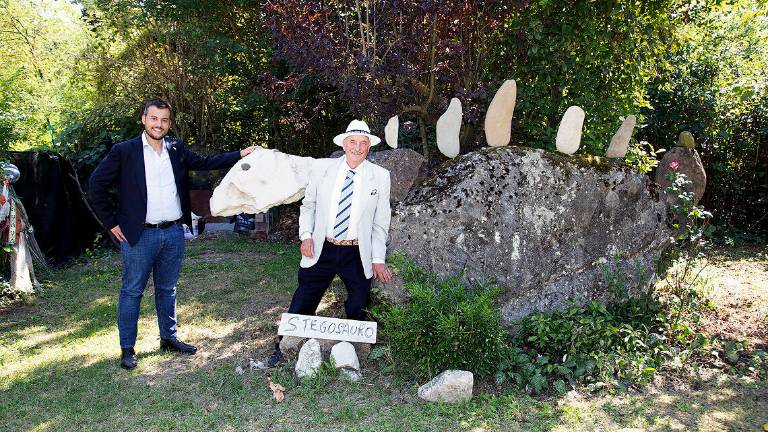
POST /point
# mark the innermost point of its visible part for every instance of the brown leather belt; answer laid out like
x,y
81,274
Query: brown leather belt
x,y
342,242
162,225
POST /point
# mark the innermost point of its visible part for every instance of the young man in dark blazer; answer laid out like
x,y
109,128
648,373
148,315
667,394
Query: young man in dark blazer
x,y
151,174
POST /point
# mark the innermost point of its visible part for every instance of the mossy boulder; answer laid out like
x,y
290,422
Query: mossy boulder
x,y
553,230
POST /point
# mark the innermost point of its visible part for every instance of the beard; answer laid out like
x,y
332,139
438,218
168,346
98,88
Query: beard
x,y
155,135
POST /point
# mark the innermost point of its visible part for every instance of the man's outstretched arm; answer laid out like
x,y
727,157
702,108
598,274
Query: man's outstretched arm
x,y
219,161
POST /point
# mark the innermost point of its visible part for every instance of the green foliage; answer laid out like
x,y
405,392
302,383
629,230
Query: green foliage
x,y
444,326
597,55
616,345
623,343
718,90
10,115
642,156
607,345
38,42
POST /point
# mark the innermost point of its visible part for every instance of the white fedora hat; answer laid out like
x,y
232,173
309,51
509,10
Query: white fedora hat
x,y
356,127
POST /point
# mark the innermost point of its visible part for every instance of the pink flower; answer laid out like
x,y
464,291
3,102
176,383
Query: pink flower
x,y
674,165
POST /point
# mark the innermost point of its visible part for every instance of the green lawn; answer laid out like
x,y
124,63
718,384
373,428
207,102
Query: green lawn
x,y
59,367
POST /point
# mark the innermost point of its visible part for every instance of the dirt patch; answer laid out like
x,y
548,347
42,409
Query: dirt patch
x,y
739,290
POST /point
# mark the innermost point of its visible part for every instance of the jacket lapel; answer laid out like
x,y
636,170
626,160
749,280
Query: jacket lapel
x,y
141,175
326,189
177,166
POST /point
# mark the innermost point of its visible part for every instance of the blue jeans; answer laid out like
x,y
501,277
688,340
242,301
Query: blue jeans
x,y
158,251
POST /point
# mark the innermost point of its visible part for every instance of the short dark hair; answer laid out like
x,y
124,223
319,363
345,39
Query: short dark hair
x,y
157,103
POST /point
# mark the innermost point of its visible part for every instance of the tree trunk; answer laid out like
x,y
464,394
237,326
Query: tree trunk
x,y
424,142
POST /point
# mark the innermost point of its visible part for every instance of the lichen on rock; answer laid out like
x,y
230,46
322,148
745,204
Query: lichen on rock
x,y
546,227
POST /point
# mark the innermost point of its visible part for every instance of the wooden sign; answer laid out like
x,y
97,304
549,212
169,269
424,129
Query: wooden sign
x,y
310,326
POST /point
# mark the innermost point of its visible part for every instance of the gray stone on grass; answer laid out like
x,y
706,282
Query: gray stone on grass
x,y
309,360
498,118
448,128
291,344
544,226
257,365
620,141
351,375
569,133
452,386
391,130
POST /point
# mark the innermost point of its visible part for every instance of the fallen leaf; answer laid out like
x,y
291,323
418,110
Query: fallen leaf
x,y
278,391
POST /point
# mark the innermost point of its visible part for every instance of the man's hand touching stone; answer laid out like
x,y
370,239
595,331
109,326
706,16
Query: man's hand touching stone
x,y
246,151
382,272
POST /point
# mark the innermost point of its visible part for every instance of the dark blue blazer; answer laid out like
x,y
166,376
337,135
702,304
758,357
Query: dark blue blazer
x,y
124,166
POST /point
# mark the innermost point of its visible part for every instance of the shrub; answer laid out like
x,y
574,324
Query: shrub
x,y
614,345
445,326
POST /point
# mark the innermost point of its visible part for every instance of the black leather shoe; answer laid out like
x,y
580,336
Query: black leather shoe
x,y
177,345
128,359
275,358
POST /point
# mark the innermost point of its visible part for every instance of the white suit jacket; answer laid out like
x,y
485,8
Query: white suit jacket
x,y
373,225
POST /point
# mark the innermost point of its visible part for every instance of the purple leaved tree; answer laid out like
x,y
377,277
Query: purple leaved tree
x,y
401,57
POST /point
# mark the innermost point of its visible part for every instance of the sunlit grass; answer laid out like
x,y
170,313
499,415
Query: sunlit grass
x,y
59,366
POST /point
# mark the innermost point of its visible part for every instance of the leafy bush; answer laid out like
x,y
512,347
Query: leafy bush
x,y
612,345
609,346
449,326
718,90
445,326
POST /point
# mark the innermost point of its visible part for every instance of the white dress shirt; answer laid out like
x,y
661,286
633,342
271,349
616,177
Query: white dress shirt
x,y
162,196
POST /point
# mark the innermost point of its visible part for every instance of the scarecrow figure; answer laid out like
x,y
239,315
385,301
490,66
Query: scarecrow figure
x,y
17,235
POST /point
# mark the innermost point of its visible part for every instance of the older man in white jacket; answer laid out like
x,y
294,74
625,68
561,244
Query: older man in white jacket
x,y
343,226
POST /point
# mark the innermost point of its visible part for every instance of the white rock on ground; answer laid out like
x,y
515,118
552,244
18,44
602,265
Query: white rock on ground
x,y
344,356
448,128
450,386
391,130
569,133
260,181
309,360
620,141
498,118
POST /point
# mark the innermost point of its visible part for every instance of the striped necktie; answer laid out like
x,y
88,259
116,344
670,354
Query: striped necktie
x,y
341,226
